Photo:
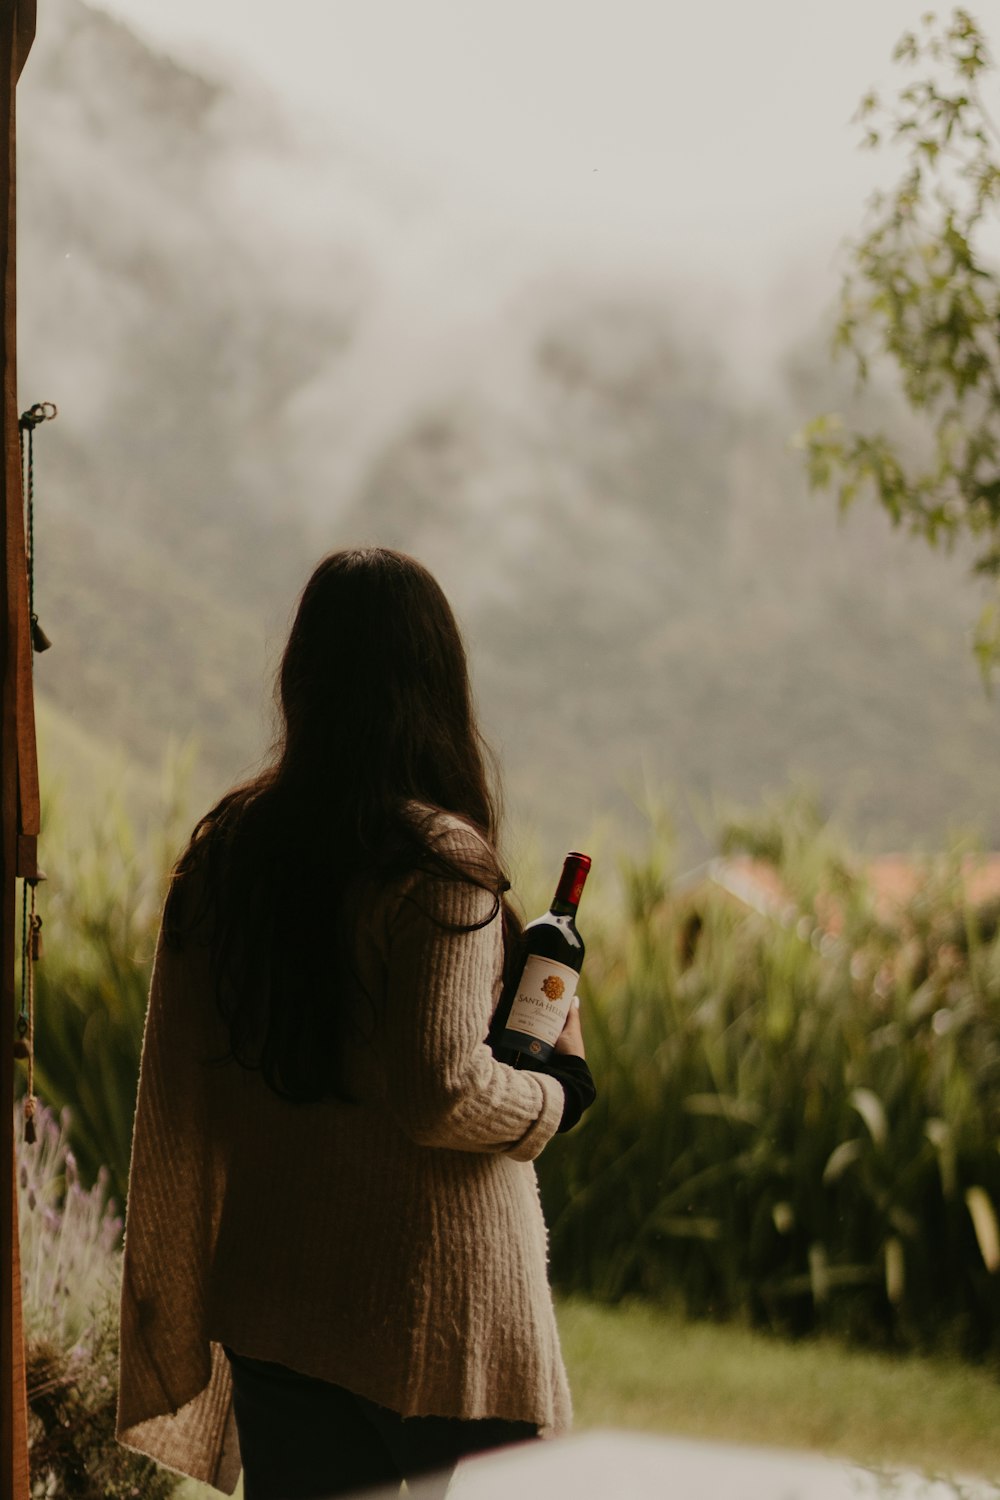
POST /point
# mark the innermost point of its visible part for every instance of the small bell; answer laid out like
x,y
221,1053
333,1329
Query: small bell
x,y
21,1049
37,949
39,640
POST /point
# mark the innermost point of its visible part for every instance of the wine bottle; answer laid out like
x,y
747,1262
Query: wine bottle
x,y
533,1009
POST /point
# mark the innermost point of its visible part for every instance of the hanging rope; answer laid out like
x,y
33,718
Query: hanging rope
x,y
24,1047
31,922
42,411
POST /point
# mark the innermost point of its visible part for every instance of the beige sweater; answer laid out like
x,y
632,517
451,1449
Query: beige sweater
x,y
394,1246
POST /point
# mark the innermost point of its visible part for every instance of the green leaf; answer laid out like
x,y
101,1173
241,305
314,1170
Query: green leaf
x,y
895,1270
742,1111
783,1217
869,1107
840,1158
984,1222
690,1228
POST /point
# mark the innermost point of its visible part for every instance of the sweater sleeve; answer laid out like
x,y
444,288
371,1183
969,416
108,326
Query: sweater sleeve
x,y
444,1085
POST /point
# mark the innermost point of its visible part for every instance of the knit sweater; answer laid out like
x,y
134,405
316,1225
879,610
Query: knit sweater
x,y
393,1245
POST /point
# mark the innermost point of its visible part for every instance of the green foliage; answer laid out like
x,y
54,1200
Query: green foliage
x,y
798,1109
101,909
923,293
799,1106
70,1268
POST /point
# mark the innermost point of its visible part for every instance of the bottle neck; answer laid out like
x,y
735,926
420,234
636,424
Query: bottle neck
x,y
570,887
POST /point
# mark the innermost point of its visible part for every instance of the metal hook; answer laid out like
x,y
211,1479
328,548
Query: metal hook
x,y
40,411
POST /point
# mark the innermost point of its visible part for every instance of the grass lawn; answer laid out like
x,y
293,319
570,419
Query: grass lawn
x,y
637,1367
641,1368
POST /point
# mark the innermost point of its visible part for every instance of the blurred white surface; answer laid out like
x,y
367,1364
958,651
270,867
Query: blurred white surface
x,y
632,1466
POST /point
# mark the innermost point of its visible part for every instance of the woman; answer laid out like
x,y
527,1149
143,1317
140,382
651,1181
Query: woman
x,y
335,1260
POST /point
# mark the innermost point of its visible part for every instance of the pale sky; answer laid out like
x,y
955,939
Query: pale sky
x,y
717,135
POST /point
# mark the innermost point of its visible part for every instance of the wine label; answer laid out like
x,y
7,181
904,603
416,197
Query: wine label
x,y
538,1013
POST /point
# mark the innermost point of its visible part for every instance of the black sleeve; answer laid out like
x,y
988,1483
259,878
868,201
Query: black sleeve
x,y
577,1083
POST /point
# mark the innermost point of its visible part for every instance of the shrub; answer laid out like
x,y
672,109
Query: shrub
x,y
70,1267
797,1116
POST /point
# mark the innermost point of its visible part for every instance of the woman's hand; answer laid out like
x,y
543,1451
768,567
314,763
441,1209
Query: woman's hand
x,y
568,1064
570,1039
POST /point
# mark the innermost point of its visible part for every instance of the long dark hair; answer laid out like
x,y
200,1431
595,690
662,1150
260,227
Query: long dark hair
x,y
377,721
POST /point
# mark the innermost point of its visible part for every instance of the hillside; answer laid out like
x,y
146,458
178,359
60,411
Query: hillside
x,y
697,620
648,590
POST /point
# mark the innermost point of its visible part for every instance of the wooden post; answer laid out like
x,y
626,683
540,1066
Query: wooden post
x,y
18,773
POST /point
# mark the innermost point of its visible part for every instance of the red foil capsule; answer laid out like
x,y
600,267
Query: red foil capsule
x,y
573,878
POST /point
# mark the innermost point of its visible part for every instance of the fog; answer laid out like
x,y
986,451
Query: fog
x,y
540,296
709,147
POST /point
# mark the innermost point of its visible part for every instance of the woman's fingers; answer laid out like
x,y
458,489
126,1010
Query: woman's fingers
x,y
570,1039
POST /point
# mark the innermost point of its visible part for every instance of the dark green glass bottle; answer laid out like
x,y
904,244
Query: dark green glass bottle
x,y
533,1009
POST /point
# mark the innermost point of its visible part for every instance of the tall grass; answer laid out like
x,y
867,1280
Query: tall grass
x,y
100,907
798,1116
796,1126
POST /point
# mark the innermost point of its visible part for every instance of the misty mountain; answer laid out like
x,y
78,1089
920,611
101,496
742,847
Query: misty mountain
x,y
263,347
694,617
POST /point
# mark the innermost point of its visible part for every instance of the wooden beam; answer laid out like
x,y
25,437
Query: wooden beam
x,y
17,760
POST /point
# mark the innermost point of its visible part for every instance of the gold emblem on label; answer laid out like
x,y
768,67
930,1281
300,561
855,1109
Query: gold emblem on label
x,y
553,987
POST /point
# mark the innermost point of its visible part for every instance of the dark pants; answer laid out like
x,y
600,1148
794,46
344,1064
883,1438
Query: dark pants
x,y
305,1439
